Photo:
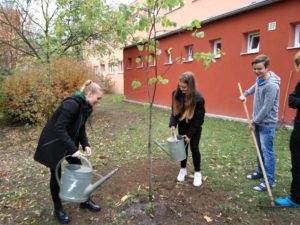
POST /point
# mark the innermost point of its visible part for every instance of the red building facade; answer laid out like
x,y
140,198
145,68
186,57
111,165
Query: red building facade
x,y
267,27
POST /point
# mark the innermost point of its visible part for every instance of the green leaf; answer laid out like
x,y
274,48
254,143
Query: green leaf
x,y
152,80
196,24
135,84
200,34
138,60
164,81
140,47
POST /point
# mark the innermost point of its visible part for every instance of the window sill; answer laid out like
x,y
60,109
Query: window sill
x,y
139,67
152,65
248,53
188,61
293,47
129,68
168,63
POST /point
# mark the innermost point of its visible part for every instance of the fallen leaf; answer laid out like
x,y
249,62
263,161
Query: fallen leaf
x,y
124,198
207,218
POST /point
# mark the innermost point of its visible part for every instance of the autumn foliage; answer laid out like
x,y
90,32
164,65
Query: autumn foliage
x,y
31,95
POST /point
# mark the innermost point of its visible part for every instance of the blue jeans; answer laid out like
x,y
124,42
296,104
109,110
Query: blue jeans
x,y
265,139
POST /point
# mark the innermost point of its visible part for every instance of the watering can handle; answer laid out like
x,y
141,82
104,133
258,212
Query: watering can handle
x,y
175,136
63,158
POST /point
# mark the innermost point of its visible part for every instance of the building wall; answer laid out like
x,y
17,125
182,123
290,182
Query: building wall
x,y
218,84
192,9
102,69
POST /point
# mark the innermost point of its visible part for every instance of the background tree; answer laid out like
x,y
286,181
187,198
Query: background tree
x,y
53,28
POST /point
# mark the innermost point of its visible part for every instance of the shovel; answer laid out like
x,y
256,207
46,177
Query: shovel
x,y
258,152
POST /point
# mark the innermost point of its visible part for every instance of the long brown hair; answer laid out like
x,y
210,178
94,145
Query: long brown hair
x,y
184,104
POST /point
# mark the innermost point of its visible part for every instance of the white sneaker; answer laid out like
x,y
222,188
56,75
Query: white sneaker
x,y
182,174
197,179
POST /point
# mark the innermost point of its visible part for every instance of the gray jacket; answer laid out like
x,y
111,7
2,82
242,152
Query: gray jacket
x,y
266,101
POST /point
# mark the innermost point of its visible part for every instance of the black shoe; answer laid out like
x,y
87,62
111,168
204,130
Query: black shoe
x,y
90,205
62,217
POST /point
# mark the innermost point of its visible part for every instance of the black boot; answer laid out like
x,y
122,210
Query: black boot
x,y
90,205
62,216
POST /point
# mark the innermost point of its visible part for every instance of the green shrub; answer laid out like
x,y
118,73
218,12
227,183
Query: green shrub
x,y
31,95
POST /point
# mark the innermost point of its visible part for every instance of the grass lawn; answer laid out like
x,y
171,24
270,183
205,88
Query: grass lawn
x,y
119,139
227,150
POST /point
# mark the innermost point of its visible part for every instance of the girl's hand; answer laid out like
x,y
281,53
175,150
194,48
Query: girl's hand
x,y
186,139
76,154
88,151
173,129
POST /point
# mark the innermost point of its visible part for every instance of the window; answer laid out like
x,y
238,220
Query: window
x,y
189,53
217,48
112,68
129,63
103,73
253,43
96,69
168,56
297,36
151,60
139,62
121,67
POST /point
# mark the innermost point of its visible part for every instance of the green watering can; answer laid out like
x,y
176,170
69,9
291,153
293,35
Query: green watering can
x,y
176,147
75,183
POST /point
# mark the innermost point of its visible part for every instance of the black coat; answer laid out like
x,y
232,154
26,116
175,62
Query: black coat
x,y
193,126
294,103
63,132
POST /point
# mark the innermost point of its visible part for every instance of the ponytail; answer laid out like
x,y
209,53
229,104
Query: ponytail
x,y
90,86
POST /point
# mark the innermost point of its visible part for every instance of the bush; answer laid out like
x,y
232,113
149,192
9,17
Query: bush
x,y
31,95
107,85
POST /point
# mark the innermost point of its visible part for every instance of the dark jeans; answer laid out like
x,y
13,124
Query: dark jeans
x,y
54,187
194,142
295,158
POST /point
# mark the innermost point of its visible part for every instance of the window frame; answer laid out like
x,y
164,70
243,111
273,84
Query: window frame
x,y
121,66
153,62
297,36
168,58
112,68
215,43
96,70
189,53
250,37
129,63
141,63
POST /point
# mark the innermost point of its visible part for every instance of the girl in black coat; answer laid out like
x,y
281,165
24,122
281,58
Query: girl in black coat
x,y
62,135
188,113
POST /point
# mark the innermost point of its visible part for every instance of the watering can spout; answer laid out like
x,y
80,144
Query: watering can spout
x,y
92,187
162,147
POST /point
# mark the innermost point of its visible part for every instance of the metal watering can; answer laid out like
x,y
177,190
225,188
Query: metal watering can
x,y
176,147
75,183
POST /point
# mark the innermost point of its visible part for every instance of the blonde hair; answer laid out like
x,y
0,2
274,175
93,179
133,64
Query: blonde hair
x,y
297,59
185,104
90,86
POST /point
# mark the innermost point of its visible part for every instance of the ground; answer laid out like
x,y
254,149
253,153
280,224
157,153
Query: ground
x,y
124,197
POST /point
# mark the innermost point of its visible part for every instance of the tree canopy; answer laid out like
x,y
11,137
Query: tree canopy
x,y
51,28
